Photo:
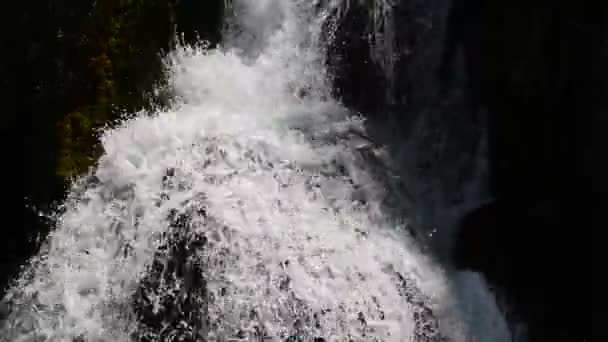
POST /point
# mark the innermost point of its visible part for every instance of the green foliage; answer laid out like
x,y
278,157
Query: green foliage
x,y
77,142
119,46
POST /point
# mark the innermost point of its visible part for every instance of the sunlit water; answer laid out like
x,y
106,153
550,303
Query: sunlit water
x,y
256,190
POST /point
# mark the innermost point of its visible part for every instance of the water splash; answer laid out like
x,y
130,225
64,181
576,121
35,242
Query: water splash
x,y
246,211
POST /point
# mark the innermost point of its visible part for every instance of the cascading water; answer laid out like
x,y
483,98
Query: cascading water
x,y
247,211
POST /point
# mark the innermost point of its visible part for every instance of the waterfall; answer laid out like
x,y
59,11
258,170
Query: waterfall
x,y
249,210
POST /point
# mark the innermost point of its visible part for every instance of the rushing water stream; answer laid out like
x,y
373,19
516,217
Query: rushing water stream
x,y
249,210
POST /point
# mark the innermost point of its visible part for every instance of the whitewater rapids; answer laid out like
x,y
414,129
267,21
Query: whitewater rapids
x,y
271,175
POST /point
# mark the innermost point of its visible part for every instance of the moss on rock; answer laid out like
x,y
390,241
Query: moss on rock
x,y
121,47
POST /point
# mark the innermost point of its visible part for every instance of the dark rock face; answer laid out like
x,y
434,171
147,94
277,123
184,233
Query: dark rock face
x,y
175,283
528,252
426,324
170,303
539,70
536,80
387,56
542,83
350,60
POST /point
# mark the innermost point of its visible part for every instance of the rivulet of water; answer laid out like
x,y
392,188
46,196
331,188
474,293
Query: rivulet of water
x,y
245,212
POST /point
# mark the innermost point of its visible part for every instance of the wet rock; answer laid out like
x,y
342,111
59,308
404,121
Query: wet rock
x,y
170,303
426,325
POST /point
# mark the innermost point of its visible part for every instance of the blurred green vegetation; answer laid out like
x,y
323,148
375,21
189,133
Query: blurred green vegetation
x,y
120,46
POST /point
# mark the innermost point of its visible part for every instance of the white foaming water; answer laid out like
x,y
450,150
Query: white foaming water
x,y
293,220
